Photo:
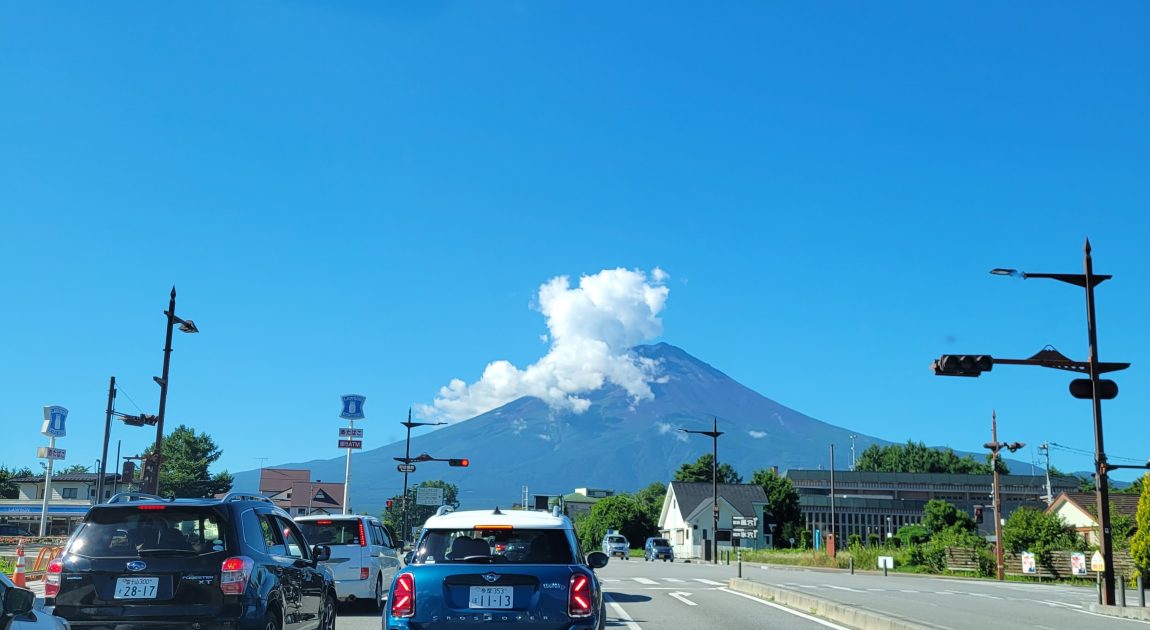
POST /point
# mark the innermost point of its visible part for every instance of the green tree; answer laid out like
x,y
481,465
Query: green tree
x,y
1140,543
915,457
620,512
783,505
1134,488
74,469
701,471
8,490
187,457
940,516
1040,533
651,498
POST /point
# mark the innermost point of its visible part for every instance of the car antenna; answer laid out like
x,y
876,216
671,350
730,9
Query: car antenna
x,y
497,511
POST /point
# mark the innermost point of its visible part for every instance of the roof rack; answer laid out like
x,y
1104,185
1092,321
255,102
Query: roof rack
x,y
245,496
124,497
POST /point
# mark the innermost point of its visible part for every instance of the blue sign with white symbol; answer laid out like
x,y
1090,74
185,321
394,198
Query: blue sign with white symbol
x,y
54,418
352,406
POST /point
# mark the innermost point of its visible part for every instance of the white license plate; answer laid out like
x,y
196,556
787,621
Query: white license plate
x,y
490,597
137,588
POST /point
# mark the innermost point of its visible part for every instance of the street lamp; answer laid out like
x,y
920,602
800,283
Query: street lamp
x,y
994,447
157,458
1093,388
714,433
407,460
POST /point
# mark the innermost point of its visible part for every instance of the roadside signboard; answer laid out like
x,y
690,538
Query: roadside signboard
x,y
1028,565
352,406
45,452
406,468
428,496
348,432
351,443
1078,563
742,532
1097,563
886,562
54,418
746,522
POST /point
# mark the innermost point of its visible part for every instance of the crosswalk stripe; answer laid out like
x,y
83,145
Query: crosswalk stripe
x,y
643,580
711,582
673,580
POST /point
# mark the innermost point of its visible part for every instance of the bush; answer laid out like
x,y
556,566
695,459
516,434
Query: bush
x,y
854,540
873,540
805,540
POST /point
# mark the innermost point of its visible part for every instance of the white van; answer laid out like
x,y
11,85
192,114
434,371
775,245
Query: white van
x,y
364,556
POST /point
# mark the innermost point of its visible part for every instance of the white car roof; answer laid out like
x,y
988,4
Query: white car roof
x,y
333,517
520,519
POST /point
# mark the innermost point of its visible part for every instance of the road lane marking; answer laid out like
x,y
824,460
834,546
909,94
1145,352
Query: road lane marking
x,y
673,580
1051,602
786,610
681,596
643,580
711,582
845,588
621,614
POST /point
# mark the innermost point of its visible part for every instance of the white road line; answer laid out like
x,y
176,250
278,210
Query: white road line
x,y
673,580
711,582
622,614
785,609
845,588
1068,605
643,580
681,596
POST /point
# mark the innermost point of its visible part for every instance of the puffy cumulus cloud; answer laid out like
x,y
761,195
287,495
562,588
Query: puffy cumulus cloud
x,y
758,435
591,330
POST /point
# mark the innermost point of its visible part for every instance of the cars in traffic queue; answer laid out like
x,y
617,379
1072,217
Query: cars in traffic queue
x,y
234,563
364,554
615,544
18,610
656,548
516,569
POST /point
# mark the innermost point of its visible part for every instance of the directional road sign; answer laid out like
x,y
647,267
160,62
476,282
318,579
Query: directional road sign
x,y
351,443
425,495
44,452
406,468
745,521
348,432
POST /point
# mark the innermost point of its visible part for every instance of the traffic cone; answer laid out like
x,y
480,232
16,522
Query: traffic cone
x,y
18,574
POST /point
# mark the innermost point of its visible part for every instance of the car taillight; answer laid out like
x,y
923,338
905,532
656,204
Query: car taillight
x,y
52,578
403,596
234,574
362,535
579,601
364,573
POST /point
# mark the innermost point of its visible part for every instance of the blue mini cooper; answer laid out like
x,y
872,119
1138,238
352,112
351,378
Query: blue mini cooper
x,y
519,569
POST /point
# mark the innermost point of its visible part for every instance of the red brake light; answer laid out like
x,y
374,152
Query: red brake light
x,y
364,573
579,601
234,574
362,535
52,578
403,596
323,522
150,507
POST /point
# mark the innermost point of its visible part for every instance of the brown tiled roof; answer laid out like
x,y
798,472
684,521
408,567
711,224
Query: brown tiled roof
x,y
1125,503
279,479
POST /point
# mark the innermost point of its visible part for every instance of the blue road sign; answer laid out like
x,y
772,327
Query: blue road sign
x,y
54,418
352,406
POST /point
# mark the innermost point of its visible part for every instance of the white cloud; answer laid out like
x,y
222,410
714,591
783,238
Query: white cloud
x,y
665,429
757,434
592,328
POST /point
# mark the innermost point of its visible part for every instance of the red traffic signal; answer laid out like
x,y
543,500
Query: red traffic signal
x,y
459,462
389,503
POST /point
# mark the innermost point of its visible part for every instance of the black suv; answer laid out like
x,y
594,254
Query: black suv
x,y
237,562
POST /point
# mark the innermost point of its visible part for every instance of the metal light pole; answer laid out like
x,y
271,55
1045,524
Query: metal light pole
x,y
834,537
407,461
714,433
994,447
157,453
107,435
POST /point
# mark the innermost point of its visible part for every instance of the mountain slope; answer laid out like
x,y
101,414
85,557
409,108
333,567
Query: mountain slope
x,y
617,444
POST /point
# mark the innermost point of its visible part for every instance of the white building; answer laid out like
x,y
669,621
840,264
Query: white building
x,y
687,516
72,495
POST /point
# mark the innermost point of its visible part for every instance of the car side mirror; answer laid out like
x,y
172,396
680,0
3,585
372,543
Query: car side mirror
x,y
321,553
18,601
408,556
597,559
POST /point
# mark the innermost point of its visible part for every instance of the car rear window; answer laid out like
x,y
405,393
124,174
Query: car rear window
x,y
616,539
495,546
337,531
660,542
148,530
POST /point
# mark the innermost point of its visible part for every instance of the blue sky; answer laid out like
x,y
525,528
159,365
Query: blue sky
x,y
366,197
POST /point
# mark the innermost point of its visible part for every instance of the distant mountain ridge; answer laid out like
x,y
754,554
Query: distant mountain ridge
x,y
616,444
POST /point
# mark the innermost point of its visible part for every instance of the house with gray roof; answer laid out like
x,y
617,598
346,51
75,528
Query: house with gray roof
x,y
687,517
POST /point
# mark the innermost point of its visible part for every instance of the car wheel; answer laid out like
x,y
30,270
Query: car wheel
x,y
272,620
378,603
327,613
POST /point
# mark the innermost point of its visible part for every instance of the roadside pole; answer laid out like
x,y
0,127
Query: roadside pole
x,y
350,438
53,427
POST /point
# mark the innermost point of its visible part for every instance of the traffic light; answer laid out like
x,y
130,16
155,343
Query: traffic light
x,y
459,462
389,503
1081,388
148,476
978,514
962,364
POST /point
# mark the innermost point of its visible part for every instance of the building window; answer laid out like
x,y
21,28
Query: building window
x,y
68,493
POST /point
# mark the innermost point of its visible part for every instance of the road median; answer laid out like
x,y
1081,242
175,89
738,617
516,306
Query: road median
x,y
852,616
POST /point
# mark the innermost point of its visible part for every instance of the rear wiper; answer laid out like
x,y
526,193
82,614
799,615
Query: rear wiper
x,y
167,552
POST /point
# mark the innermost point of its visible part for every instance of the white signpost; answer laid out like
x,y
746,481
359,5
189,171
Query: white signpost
x,y
352,411
425,495
54,418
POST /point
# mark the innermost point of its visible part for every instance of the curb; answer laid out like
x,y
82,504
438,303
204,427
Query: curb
x,y
1129,612
849,615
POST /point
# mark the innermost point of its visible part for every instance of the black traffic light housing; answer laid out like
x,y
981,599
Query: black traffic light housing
x,y
464,462
978,514
1081,388
962,364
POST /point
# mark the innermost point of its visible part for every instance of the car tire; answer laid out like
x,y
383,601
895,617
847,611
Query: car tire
x,y
377,603
272,620
327,613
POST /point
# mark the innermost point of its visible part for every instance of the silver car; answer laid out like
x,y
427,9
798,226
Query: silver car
x,y
616,545
17,609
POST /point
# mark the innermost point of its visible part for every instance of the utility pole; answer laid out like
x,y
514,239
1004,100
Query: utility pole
x,y
1044,448
107,436
834,537
853,436
994,447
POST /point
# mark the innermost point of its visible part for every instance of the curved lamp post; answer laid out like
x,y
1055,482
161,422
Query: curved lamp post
x,y
714,433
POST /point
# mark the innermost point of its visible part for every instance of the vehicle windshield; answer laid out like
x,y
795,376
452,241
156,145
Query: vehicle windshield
x,y
148,530
331,532
618,540
660,542
517,546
